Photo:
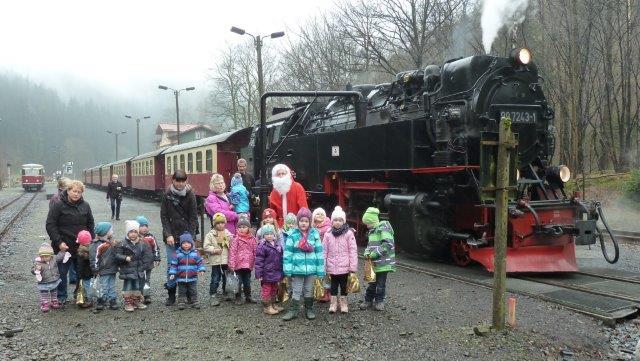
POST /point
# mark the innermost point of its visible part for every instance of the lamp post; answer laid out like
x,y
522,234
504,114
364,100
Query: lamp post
x,y
116,134
176,93
137,130
257,41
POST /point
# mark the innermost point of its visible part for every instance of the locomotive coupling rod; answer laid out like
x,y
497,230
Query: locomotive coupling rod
x,y
360,103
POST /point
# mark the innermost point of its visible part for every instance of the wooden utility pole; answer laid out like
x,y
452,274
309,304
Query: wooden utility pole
x,y
506,141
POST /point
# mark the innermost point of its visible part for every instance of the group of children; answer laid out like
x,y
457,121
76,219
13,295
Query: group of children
x,y
308,246
98,262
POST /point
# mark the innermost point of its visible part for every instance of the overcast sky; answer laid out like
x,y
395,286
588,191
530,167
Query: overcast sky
x,y
129,47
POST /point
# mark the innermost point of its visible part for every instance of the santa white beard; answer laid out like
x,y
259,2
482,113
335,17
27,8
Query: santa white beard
x,y
282,184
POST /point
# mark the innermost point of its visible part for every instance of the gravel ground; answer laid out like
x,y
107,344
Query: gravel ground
x,y
426,318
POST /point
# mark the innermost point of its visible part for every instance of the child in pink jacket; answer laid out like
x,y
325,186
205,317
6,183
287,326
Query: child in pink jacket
x,y
242,256
320,221
341,257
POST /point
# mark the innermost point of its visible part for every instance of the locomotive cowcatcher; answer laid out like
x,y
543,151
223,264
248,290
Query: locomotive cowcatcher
x,y
423,149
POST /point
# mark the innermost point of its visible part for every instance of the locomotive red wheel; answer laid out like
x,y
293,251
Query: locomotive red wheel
x,y
460,252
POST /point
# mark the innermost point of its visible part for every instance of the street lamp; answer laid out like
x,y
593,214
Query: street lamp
x,y
176,93
116,134
257,41
137,130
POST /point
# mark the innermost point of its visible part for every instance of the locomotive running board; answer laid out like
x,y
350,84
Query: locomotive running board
x,y
531,259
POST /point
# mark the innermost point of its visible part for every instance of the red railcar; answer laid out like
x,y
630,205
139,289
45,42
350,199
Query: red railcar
x,y
147,172
32,176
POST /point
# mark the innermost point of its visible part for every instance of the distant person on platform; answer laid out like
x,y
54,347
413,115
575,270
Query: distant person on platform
x,y
62,186
179,214
287,196
114,192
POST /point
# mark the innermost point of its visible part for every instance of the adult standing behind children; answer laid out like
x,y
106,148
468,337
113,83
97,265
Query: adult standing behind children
x,y
218,202
179,214
287,196
65,220
114,193
62,186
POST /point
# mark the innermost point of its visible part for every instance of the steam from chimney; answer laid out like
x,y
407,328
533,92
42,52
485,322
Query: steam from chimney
x,y
499,13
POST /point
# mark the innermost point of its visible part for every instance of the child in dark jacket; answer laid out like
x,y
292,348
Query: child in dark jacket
x,y
45,268
381,251
269,269
102,253
84,270
153,260
130,255
185,269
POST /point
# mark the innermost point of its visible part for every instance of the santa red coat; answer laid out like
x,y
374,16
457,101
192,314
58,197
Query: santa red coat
x,y
296,199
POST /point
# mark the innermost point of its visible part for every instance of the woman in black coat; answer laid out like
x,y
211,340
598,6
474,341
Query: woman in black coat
x,y
66,219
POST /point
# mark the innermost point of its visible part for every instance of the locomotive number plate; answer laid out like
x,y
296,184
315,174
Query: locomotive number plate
x,y
520,116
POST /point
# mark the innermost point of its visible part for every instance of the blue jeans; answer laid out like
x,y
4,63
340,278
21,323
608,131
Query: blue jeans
x,y
64,268
171,253
73,277
244,276
218,273
88,289
131,285
376,290
108,287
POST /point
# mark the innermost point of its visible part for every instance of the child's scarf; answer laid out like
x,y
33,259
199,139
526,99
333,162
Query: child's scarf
x,y
304,244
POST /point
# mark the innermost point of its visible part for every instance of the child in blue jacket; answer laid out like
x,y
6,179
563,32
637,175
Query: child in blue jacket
x,y
239,196
185,269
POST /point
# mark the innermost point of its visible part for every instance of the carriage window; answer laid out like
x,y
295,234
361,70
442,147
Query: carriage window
x,y
169,167
182,161
152,167
190,163
198,162
209,165
175,163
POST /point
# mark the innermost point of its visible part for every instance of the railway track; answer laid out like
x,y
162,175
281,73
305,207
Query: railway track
x,y
607,295
631,236
4,229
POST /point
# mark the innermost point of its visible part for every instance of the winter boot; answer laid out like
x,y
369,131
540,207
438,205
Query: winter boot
x,y
171,296
182,303
344,304
55,303
44,306
365,305
147,299
139,301
292,312
128,302
195,305
213,300
334,304
99,305
113,304
379,306
247,296
275,306
268,309
308,308
238,299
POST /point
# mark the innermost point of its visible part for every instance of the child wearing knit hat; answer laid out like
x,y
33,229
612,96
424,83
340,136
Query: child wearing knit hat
x,y
150,262
320,221
341,258
84,271
45,268
130,255
242,253
216,246
239,195
303,261
290,222
269,217
102,257
269,269
185,269
381,250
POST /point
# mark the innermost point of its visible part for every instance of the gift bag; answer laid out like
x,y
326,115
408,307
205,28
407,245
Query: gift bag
x,y
353,284
96,287
233,283
80,293
369,275
326,284
318,290
283,290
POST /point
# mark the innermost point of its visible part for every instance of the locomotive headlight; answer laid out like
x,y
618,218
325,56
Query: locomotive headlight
x,y
565,173
558,175
522,56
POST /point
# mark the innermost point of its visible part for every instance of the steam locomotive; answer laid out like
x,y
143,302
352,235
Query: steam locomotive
x,y
423,149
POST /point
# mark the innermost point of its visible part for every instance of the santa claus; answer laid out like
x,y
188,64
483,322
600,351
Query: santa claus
x,y
287,196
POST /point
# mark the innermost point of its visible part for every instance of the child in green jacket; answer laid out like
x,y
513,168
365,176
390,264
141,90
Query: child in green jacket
x,y
381,250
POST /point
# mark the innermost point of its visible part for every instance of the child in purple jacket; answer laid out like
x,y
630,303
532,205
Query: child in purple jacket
x,y
268,268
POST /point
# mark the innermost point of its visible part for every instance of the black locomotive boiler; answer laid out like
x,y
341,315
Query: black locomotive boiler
x,y
422,148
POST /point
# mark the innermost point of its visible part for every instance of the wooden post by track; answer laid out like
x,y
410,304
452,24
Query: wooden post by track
x,y
506,141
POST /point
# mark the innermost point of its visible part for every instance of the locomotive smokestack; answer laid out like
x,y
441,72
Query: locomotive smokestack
x,y
499,13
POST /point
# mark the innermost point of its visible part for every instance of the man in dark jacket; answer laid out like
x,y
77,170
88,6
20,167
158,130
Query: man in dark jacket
x,y
65,219
114,192
179,214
